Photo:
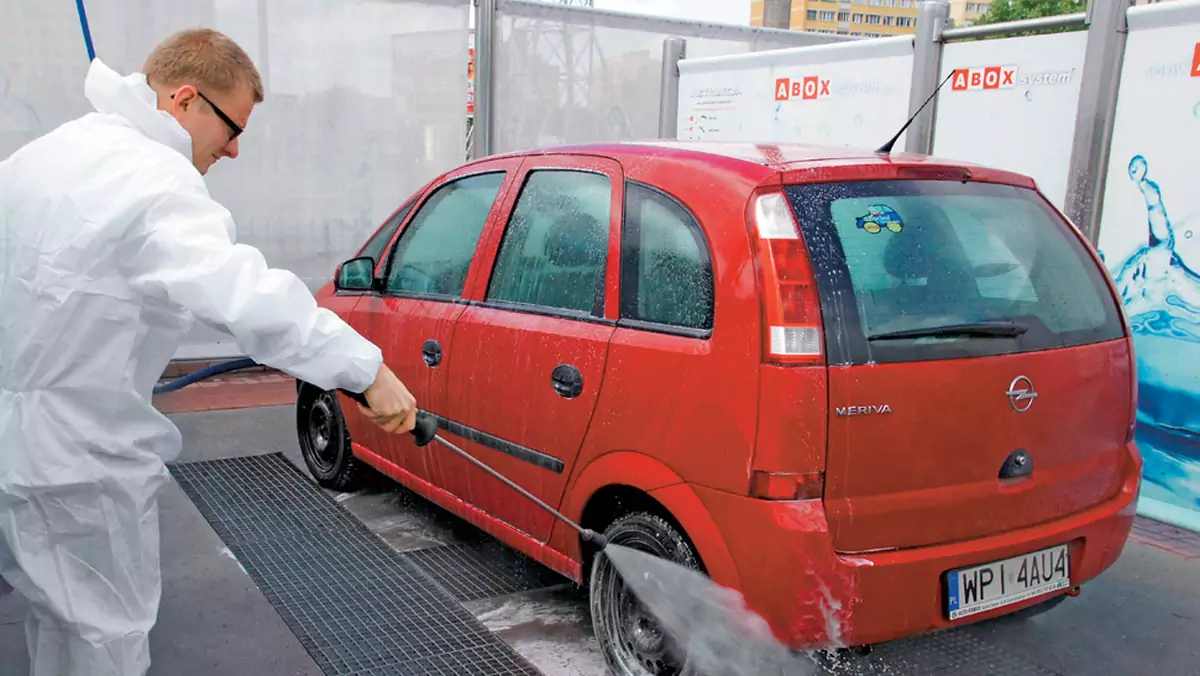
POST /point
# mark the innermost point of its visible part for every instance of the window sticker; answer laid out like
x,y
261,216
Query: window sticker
x,y
878,217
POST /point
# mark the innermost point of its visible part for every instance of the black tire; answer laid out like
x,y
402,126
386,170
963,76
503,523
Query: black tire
x,y
325,441
629,637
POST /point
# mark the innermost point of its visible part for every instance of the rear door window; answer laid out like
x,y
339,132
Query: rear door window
x,y
666,270
920,270
434,253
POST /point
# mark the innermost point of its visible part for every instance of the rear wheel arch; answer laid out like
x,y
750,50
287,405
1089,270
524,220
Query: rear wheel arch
x,y
646,483
616,468
615,501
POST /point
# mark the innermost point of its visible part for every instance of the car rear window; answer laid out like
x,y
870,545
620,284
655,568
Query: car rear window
x,y
913,270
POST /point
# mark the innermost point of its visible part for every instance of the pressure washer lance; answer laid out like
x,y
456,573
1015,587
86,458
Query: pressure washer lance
x,y
426,432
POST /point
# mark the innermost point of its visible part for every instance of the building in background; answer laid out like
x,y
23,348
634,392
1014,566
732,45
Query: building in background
x,y
967,12
870,18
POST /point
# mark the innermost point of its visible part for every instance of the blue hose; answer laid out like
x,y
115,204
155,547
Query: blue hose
x,y
204,374
87,32
226,367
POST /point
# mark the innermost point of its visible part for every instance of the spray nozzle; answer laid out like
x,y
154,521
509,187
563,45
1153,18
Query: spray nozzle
x,y
594,537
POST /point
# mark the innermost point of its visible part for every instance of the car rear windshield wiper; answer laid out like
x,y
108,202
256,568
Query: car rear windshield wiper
x,y
979,329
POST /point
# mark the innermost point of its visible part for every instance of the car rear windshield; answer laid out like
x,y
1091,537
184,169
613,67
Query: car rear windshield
x,y
912,270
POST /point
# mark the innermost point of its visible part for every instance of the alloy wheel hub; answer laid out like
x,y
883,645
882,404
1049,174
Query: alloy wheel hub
x,y
320,426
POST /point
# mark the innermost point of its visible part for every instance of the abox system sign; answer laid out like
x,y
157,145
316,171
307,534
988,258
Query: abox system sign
x,y
807,88
992,77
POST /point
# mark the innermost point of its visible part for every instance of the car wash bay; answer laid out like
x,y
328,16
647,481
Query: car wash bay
x,y
264,573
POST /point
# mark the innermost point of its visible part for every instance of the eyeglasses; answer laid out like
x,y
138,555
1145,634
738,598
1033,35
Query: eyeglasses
x,y
237,130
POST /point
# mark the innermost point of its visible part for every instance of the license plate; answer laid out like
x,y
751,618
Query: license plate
x,y
994,585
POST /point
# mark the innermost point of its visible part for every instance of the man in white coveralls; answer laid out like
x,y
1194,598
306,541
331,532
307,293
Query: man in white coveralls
x,y
110,247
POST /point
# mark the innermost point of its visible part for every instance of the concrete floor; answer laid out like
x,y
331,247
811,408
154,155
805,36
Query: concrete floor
x,y
1141,617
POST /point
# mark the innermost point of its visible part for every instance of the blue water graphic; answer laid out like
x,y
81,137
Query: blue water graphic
x,y
1161,294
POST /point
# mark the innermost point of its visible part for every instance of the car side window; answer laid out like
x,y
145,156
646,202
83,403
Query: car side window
x,y
555,249
666,269
379,241
434,254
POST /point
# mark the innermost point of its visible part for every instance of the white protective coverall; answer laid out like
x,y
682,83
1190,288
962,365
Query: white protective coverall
x,y
110,247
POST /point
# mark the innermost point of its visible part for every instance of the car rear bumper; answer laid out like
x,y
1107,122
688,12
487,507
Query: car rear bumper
x,y
814,597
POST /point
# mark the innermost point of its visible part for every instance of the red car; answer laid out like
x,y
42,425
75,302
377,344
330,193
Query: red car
x,y
878,395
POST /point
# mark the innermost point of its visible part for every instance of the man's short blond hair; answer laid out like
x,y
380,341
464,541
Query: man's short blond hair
x,y
205,58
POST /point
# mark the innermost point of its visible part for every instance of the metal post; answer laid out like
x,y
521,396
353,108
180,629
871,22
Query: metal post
x,y
932,16
674,51
1009,28
485,55
1097,107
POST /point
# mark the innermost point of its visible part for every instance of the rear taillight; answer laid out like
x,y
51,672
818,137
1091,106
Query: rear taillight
x,y
791,305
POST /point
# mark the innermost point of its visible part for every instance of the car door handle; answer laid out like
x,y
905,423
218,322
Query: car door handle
x,y
567,381
431,353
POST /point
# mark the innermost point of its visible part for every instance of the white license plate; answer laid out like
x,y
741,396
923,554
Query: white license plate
x,y
993,585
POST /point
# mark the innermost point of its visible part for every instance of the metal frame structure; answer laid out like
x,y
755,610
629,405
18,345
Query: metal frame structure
x,y
1104,20
674,51
1087,173
485,57
1105,23
482,142
932,17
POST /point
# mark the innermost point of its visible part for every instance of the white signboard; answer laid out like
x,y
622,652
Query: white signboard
x,y
850,94
1011,104
1150,238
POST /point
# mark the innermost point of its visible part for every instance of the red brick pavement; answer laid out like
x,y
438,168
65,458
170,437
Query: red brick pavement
x,y
1185,543
234,391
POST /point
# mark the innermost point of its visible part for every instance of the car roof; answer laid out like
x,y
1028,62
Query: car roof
x,y
754,158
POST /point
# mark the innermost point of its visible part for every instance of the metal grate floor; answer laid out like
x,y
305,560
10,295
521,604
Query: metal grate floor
x,y
946,653
357,606
469,574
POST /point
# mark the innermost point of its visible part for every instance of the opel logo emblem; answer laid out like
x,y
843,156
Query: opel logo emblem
x,y
1021,394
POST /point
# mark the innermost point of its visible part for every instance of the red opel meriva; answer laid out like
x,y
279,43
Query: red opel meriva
x,y
877,395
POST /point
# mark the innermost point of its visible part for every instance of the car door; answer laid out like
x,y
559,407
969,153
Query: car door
x,y
529,353
423,279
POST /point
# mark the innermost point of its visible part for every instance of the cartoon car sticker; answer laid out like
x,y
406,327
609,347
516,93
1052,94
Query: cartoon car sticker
x,y
878,217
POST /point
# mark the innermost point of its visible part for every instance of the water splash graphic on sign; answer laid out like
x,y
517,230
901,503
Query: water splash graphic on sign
x,y
1161,293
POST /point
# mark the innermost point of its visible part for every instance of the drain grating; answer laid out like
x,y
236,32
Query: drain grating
x,y
469,574
946,653
357,606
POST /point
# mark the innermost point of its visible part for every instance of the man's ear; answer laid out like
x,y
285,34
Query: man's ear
x,y
184,96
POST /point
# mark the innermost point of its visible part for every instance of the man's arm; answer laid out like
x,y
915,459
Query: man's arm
x,y
181,248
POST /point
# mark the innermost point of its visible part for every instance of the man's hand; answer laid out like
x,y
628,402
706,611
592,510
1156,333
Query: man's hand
x,y
393,407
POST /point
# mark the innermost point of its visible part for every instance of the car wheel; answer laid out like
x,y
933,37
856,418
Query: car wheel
x,y
325,441
630,638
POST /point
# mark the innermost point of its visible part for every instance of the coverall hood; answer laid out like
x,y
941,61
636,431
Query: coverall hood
x,y
131,98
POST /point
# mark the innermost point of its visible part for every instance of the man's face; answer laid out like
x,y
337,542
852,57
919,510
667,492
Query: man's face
x,y
200,113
